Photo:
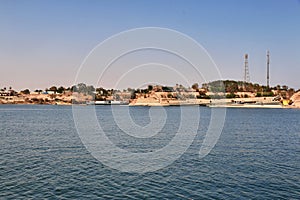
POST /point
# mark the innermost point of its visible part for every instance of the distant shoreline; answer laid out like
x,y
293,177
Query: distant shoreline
x,y
256,102
234,94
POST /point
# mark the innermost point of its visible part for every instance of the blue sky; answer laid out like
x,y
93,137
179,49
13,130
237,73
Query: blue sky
x,y
43,43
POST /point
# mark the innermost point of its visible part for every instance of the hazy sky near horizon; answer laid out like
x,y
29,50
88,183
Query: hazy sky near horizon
x,y
43,43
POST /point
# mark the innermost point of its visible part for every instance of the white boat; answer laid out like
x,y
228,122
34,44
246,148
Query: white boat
x,y
108,102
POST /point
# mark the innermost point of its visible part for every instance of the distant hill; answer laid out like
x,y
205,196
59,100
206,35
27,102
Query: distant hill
x,y
232,86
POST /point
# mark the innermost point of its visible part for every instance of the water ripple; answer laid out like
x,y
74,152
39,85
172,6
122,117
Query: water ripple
x,y
42,157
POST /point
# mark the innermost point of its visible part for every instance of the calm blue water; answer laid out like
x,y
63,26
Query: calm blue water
x,y
256,157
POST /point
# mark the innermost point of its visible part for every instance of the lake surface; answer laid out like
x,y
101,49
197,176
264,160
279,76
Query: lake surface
x,y
256,157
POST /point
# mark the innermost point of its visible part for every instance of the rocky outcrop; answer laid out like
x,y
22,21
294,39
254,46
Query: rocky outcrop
x,y
296,99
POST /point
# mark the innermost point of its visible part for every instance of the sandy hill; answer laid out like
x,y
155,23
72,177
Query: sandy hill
x,y
296,99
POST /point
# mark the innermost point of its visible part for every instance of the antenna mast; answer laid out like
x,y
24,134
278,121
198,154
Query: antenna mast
x,y
268,69
246,73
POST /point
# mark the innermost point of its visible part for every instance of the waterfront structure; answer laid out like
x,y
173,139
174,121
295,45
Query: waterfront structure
x,y
268,69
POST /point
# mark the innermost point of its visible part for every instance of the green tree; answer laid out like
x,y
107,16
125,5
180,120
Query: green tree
x,y
230,96
278,87
38,91
90,90
102,91
195,86
26,91
60,90
258,94
150,87
53,88
73,88
167,89
81,87
133,94
284,87
170,95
